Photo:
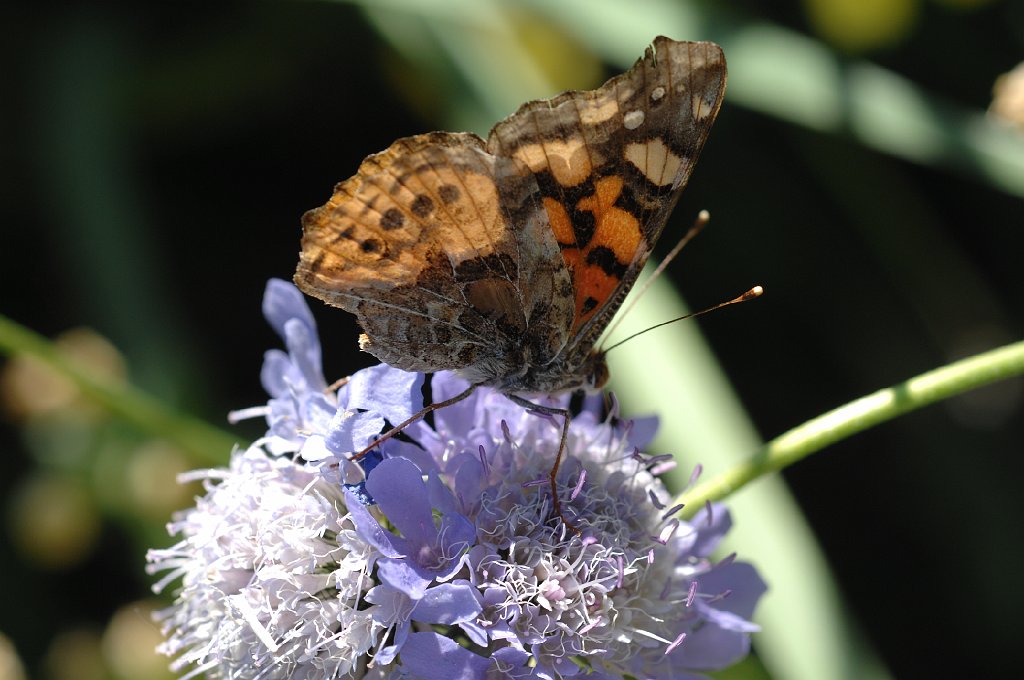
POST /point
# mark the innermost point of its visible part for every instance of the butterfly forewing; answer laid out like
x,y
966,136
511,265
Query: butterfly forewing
x,y
418,246
610,164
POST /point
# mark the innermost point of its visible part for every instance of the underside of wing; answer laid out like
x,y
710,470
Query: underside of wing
x,y
425,245
611,163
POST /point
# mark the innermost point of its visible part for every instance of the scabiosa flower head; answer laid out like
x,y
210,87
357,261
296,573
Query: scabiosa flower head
x,y
273,574
442,556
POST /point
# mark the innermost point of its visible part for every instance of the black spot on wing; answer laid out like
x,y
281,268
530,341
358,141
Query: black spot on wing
x,y
372,245
392,219
422,206
449,193
604,258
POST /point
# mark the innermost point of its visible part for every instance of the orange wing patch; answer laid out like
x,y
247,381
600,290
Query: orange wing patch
x,y
597,266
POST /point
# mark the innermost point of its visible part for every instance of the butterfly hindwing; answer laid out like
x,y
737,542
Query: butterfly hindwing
x,y
420,246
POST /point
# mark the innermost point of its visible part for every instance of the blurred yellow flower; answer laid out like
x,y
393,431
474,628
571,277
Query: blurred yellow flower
x,y
1008,97
54,523
859,25
10,664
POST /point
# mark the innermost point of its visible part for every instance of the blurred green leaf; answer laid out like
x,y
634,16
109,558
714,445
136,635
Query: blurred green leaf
x,y
805,630
772,70
204,442
797,79
859,415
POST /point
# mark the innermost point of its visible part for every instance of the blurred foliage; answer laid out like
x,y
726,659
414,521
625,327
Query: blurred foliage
x,y
155,159
859,25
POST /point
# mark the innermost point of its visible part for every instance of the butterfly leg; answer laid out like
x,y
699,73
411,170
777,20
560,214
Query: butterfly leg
x,y
337,384
419,415
566,416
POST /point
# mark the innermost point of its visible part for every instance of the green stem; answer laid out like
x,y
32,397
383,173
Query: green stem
x,y
838,424
206,443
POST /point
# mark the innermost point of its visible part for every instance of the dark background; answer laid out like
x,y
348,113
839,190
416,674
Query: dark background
x,y
155,160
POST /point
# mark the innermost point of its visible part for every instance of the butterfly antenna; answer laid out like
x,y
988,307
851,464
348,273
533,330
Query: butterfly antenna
x,y
703,217
754,292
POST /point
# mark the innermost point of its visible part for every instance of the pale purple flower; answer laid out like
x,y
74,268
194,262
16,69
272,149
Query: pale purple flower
x,y
298,400
273,574
440,556
620,598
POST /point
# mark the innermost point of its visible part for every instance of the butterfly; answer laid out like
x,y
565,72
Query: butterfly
x,y
505,259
